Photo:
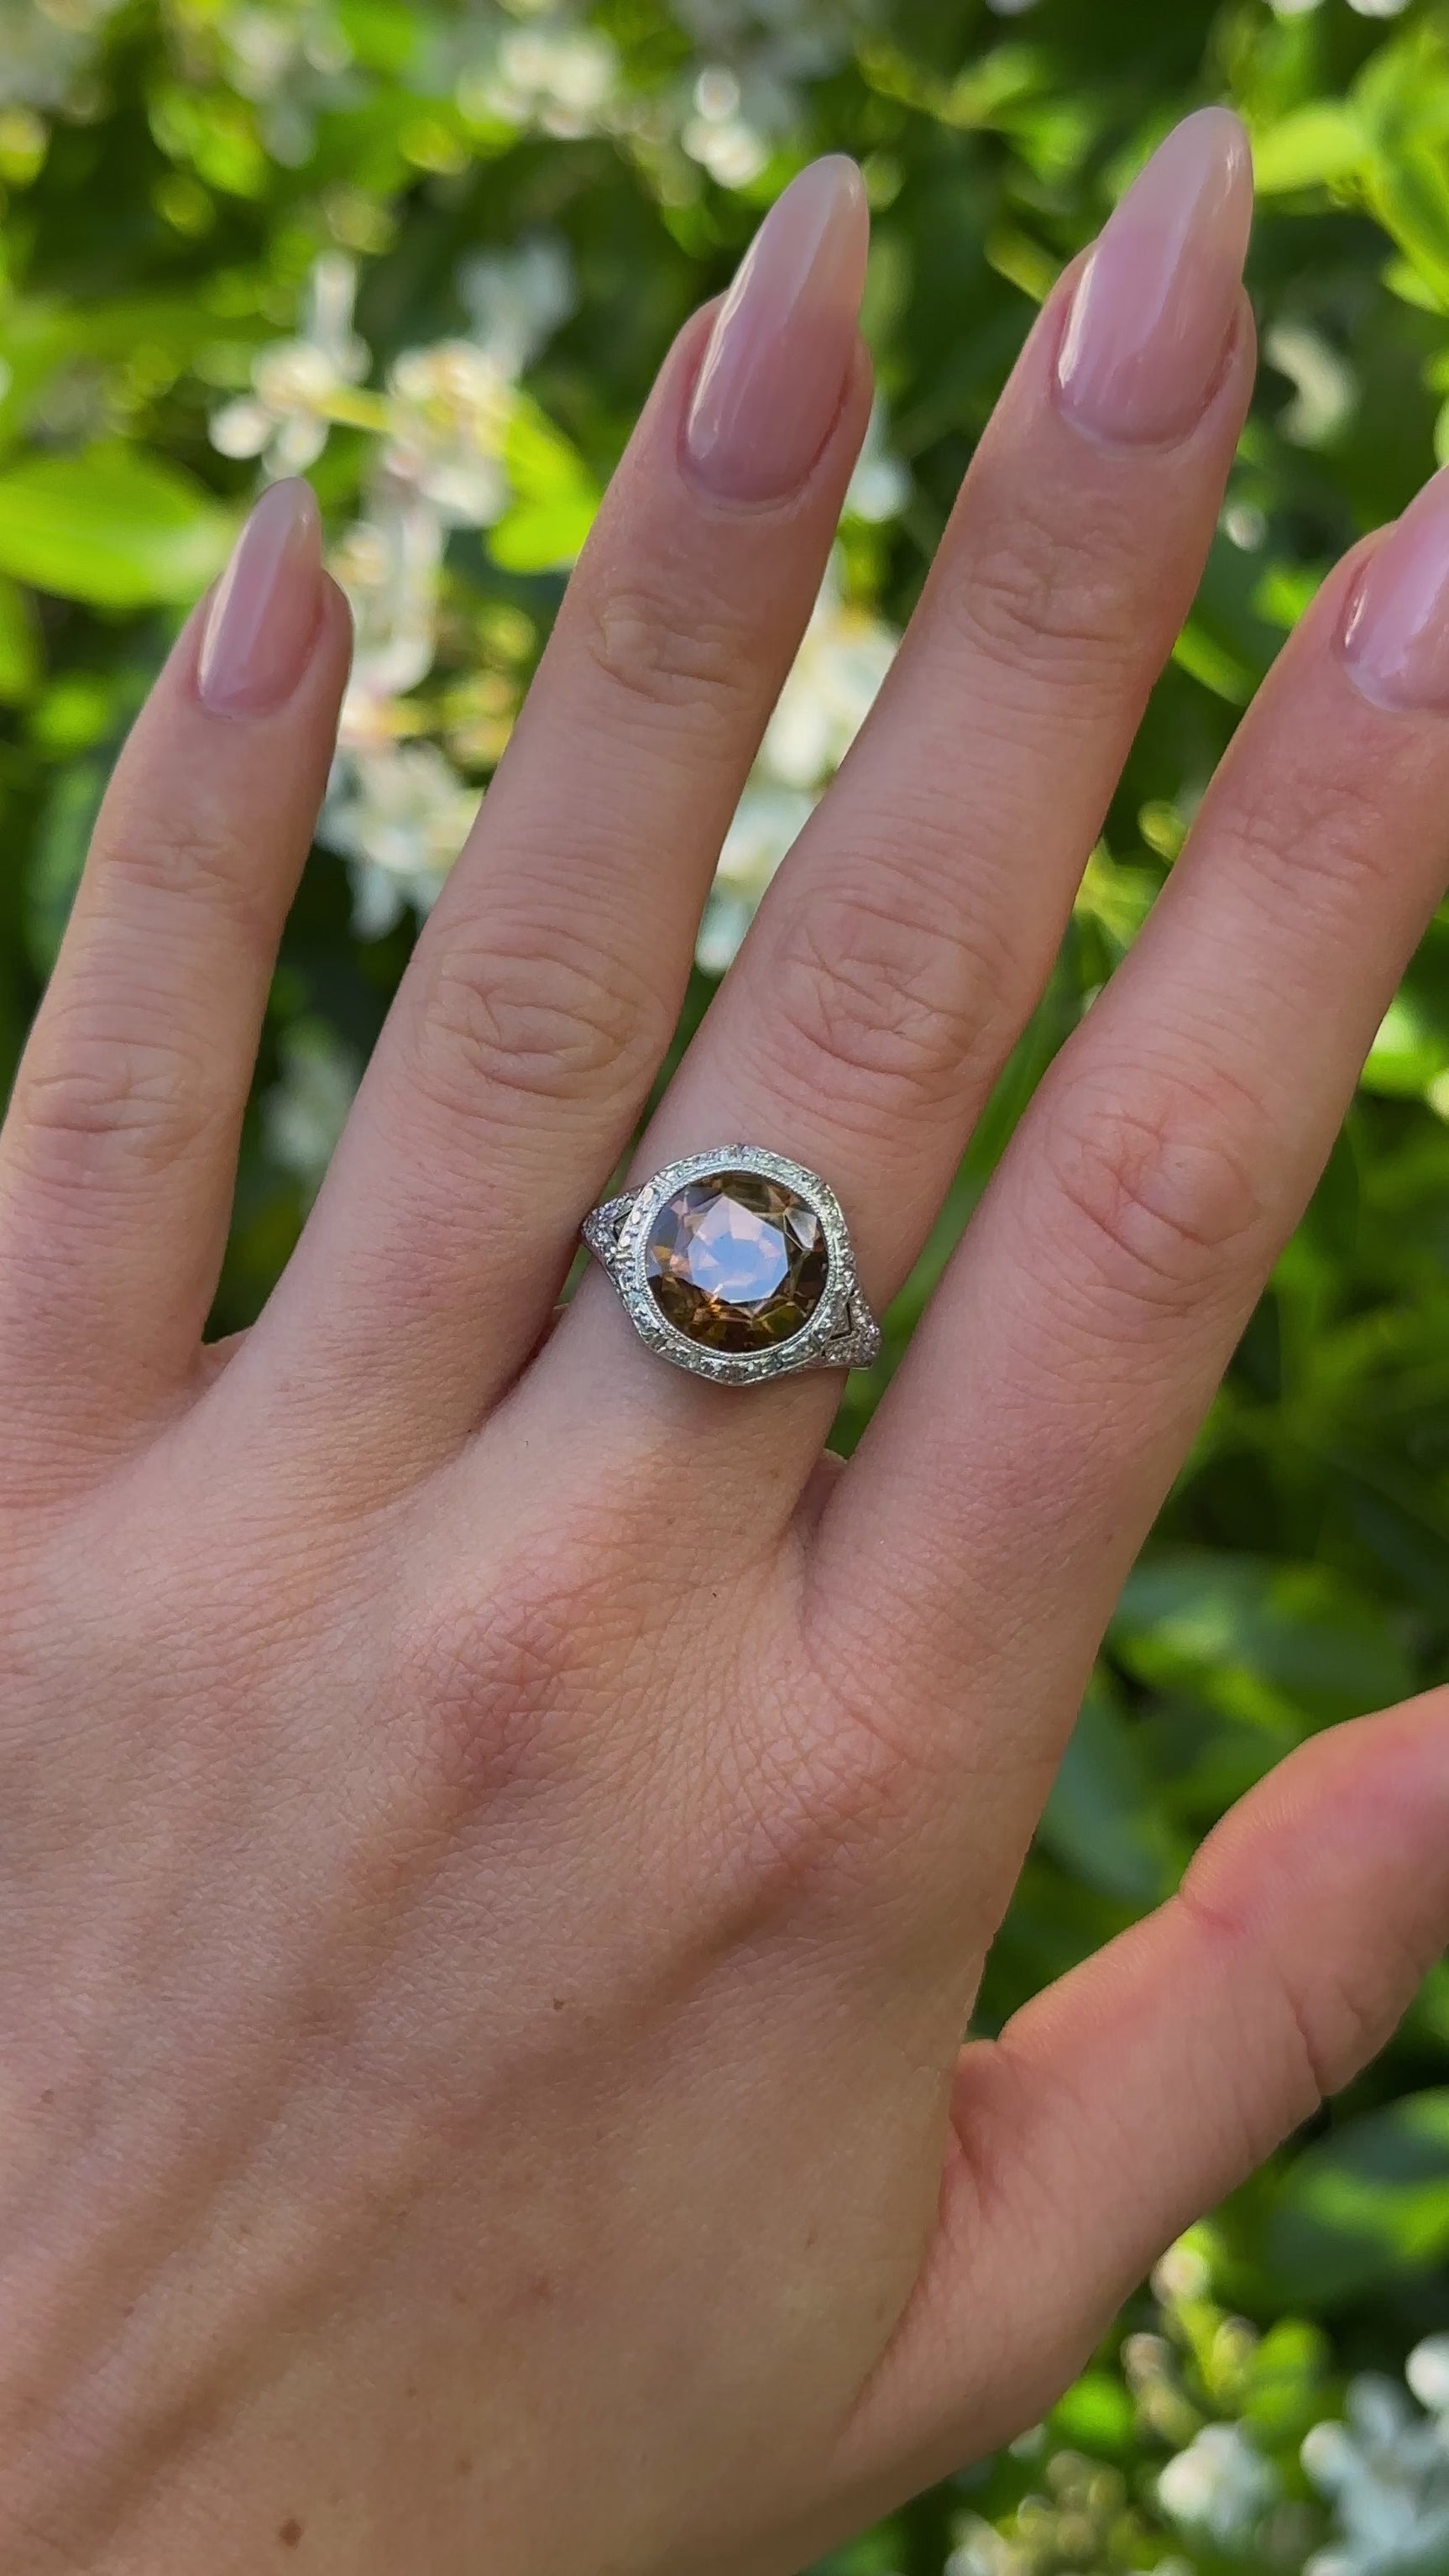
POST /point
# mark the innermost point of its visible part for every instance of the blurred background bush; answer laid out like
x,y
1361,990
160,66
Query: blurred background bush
x,y
431,255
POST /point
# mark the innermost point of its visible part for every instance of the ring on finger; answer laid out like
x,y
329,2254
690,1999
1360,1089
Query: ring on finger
x,y
737,1265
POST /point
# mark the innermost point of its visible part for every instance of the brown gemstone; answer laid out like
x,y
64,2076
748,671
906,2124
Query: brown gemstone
x,y
737,1262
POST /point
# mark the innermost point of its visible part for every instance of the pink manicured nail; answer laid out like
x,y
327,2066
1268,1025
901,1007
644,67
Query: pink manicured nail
x,y
264,616
1396,640
1156,303
774,371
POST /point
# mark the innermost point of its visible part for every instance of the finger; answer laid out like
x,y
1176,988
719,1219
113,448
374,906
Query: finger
x,y
1050,1396
1137,2092
909,933
117,1157
546,986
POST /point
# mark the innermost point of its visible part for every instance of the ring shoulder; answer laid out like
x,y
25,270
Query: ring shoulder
x,y
603,1226
856,1344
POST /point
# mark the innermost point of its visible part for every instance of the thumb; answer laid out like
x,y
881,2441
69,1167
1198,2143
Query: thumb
x,y
1136,2092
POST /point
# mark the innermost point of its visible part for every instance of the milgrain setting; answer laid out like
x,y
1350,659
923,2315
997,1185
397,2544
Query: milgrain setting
x,y
737,1265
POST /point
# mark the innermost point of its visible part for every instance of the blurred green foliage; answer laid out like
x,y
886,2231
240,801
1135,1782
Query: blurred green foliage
x,y
172,174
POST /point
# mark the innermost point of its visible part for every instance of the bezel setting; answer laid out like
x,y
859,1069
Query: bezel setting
x,y
841,1333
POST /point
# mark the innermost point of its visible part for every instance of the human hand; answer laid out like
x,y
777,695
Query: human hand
x,y
501,1839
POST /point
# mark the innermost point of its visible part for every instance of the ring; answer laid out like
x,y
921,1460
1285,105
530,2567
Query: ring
x,y
737,1265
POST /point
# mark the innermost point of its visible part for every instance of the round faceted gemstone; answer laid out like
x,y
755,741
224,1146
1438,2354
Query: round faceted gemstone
x,y
737,1262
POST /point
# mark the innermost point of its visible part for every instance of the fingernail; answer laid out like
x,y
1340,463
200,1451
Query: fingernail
x,y
262,621
1157,301
1396,639
774,371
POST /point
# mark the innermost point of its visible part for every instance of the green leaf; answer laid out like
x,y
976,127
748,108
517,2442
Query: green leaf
x,y
1312,147
1366,2207
216,133
1409,1053
1212,665
1101,1821
60,856
113,527
1409,193
20,664
1096,2415
1404,281
555,496
1252,1635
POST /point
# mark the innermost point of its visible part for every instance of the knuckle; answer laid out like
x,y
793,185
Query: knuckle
x,y
1344,2016
1325,838
1327,2021
1157,1193
506,1020
658,643
484,1671
507,1662
94,1095
875,1002
199,858
833,1768
1045,593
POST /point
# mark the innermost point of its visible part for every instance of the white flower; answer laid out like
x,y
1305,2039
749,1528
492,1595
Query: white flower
x,y
516,299
449,409
767,821
841,663
304,1114
558,79
45,54
1427,2372
1386,2471
396,807
718,136
388,566
1325,387
731,151
880,486
982,2552
749,94
401,814
260,50
270,51
1220,2485
285,420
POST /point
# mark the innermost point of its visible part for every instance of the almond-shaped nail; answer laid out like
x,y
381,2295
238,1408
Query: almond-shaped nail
x,y
1396,640
1157,301
263,619
772,376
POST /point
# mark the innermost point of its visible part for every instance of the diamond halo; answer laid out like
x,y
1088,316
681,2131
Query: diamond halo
x,y
839,1332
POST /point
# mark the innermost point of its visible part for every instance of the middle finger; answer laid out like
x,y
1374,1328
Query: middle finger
x,y
908,936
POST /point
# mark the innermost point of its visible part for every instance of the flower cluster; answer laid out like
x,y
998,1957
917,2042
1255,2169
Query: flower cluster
x,y
1364,2492
1385,2471
397,806
726,109
47,48
535,66
842,661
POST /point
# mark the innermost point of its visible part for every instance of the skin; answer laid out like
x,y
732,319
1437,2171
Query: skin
x,y
500,1839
